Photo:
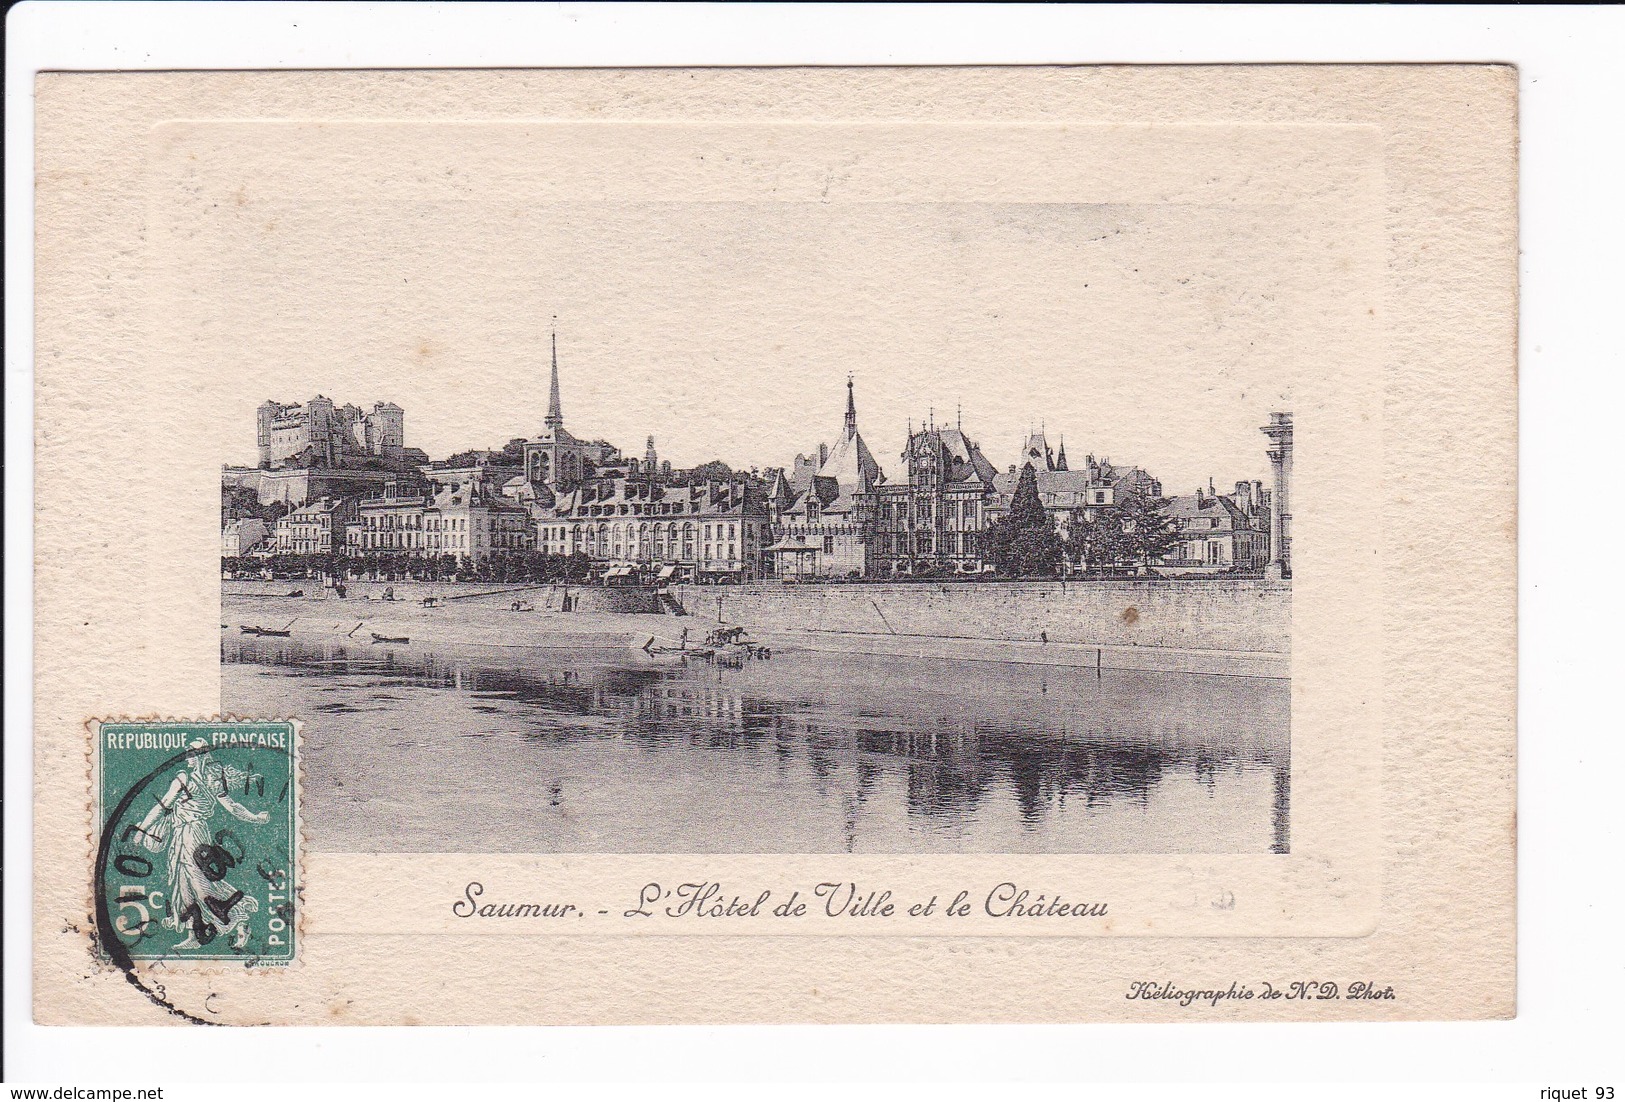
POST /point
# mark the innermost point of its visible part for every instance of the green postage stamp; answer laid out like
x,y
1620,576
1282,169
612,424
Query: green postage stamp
x,y
197,845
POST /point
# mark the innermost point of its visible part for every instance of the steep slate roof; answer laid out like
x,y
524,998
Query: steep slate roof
x,y
966,466
1055,488
1059,488
1191,507
851,464
778,487
715,496
1036,451
849,468
316,510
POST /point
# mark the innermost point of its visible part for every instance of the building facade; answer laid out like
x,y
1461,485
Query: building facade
x,y
1219,533
932,520
820,511
458,512
710,532
319,528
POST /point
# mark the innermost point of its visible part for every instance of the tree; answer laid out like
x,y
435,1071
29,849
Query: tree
x,y
1024,543
271,511
721,472
1130,533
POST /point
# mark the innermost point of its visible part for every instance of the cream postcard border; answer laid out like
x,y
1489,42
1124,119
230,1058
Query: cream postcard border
x,y
69,292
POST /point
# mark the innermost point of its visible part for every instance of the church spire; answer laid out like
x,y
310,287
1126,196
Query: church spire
x,y
1060,456
555,413
851,410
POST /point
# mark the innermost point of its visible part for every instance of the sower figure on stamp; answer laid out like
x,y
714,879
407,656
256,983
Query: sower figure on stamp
x,y
199,895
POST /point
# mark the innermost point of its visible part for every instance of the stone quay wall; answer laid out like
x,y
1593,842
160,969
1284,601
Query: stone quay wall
x,y
1200,614
546,598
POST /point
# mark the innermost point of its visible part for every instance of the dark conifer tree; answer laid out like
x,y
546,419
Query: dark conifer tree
x,y
1024,542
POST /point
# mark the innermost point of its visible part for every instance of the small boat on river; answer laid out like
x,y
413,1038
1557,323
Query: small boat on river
x,y
682,652
376,638
257,630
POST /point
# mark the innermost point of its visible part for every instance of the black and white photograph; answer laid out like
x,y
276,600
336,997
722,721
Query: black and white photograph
x,y
801,528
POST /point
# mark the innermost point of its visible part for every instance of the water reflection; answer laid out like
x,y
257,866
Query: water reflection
x,y
588,751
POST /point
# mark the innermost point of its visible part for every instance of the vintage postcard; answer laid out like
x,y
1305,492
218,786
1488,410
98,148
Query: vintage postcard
x,y
835,545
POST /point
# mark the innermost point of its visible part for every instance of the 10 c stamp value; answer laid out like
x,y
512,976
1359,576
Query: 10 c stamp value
x,y
197,847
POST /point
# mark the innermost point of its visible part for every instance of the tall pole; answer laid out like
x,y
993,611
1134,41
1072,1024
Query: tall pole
x,y
1279,431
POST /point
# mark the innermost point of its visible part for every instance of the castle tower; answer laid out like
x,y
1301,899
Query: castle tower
x,y
321,419
386,430
649,463
264,417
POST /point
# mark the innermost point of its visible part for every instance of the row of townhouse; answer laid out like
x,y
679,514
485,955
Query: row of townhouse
x,y
634,523
454,512
711,531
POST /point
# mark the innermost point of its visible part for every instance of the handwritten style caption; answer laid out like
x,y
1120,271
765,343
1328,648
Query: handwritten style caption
x,y
705,900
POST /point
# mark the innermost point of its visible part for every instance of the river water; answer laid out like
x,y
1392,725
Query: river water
x,y
593,751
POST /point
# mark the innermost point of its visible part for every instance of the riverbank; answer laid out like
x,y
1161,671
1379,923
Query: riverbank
x,y
1148,627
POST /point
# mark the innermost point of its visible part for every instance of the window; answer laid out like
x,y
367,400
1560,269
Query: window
x,y
829,545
